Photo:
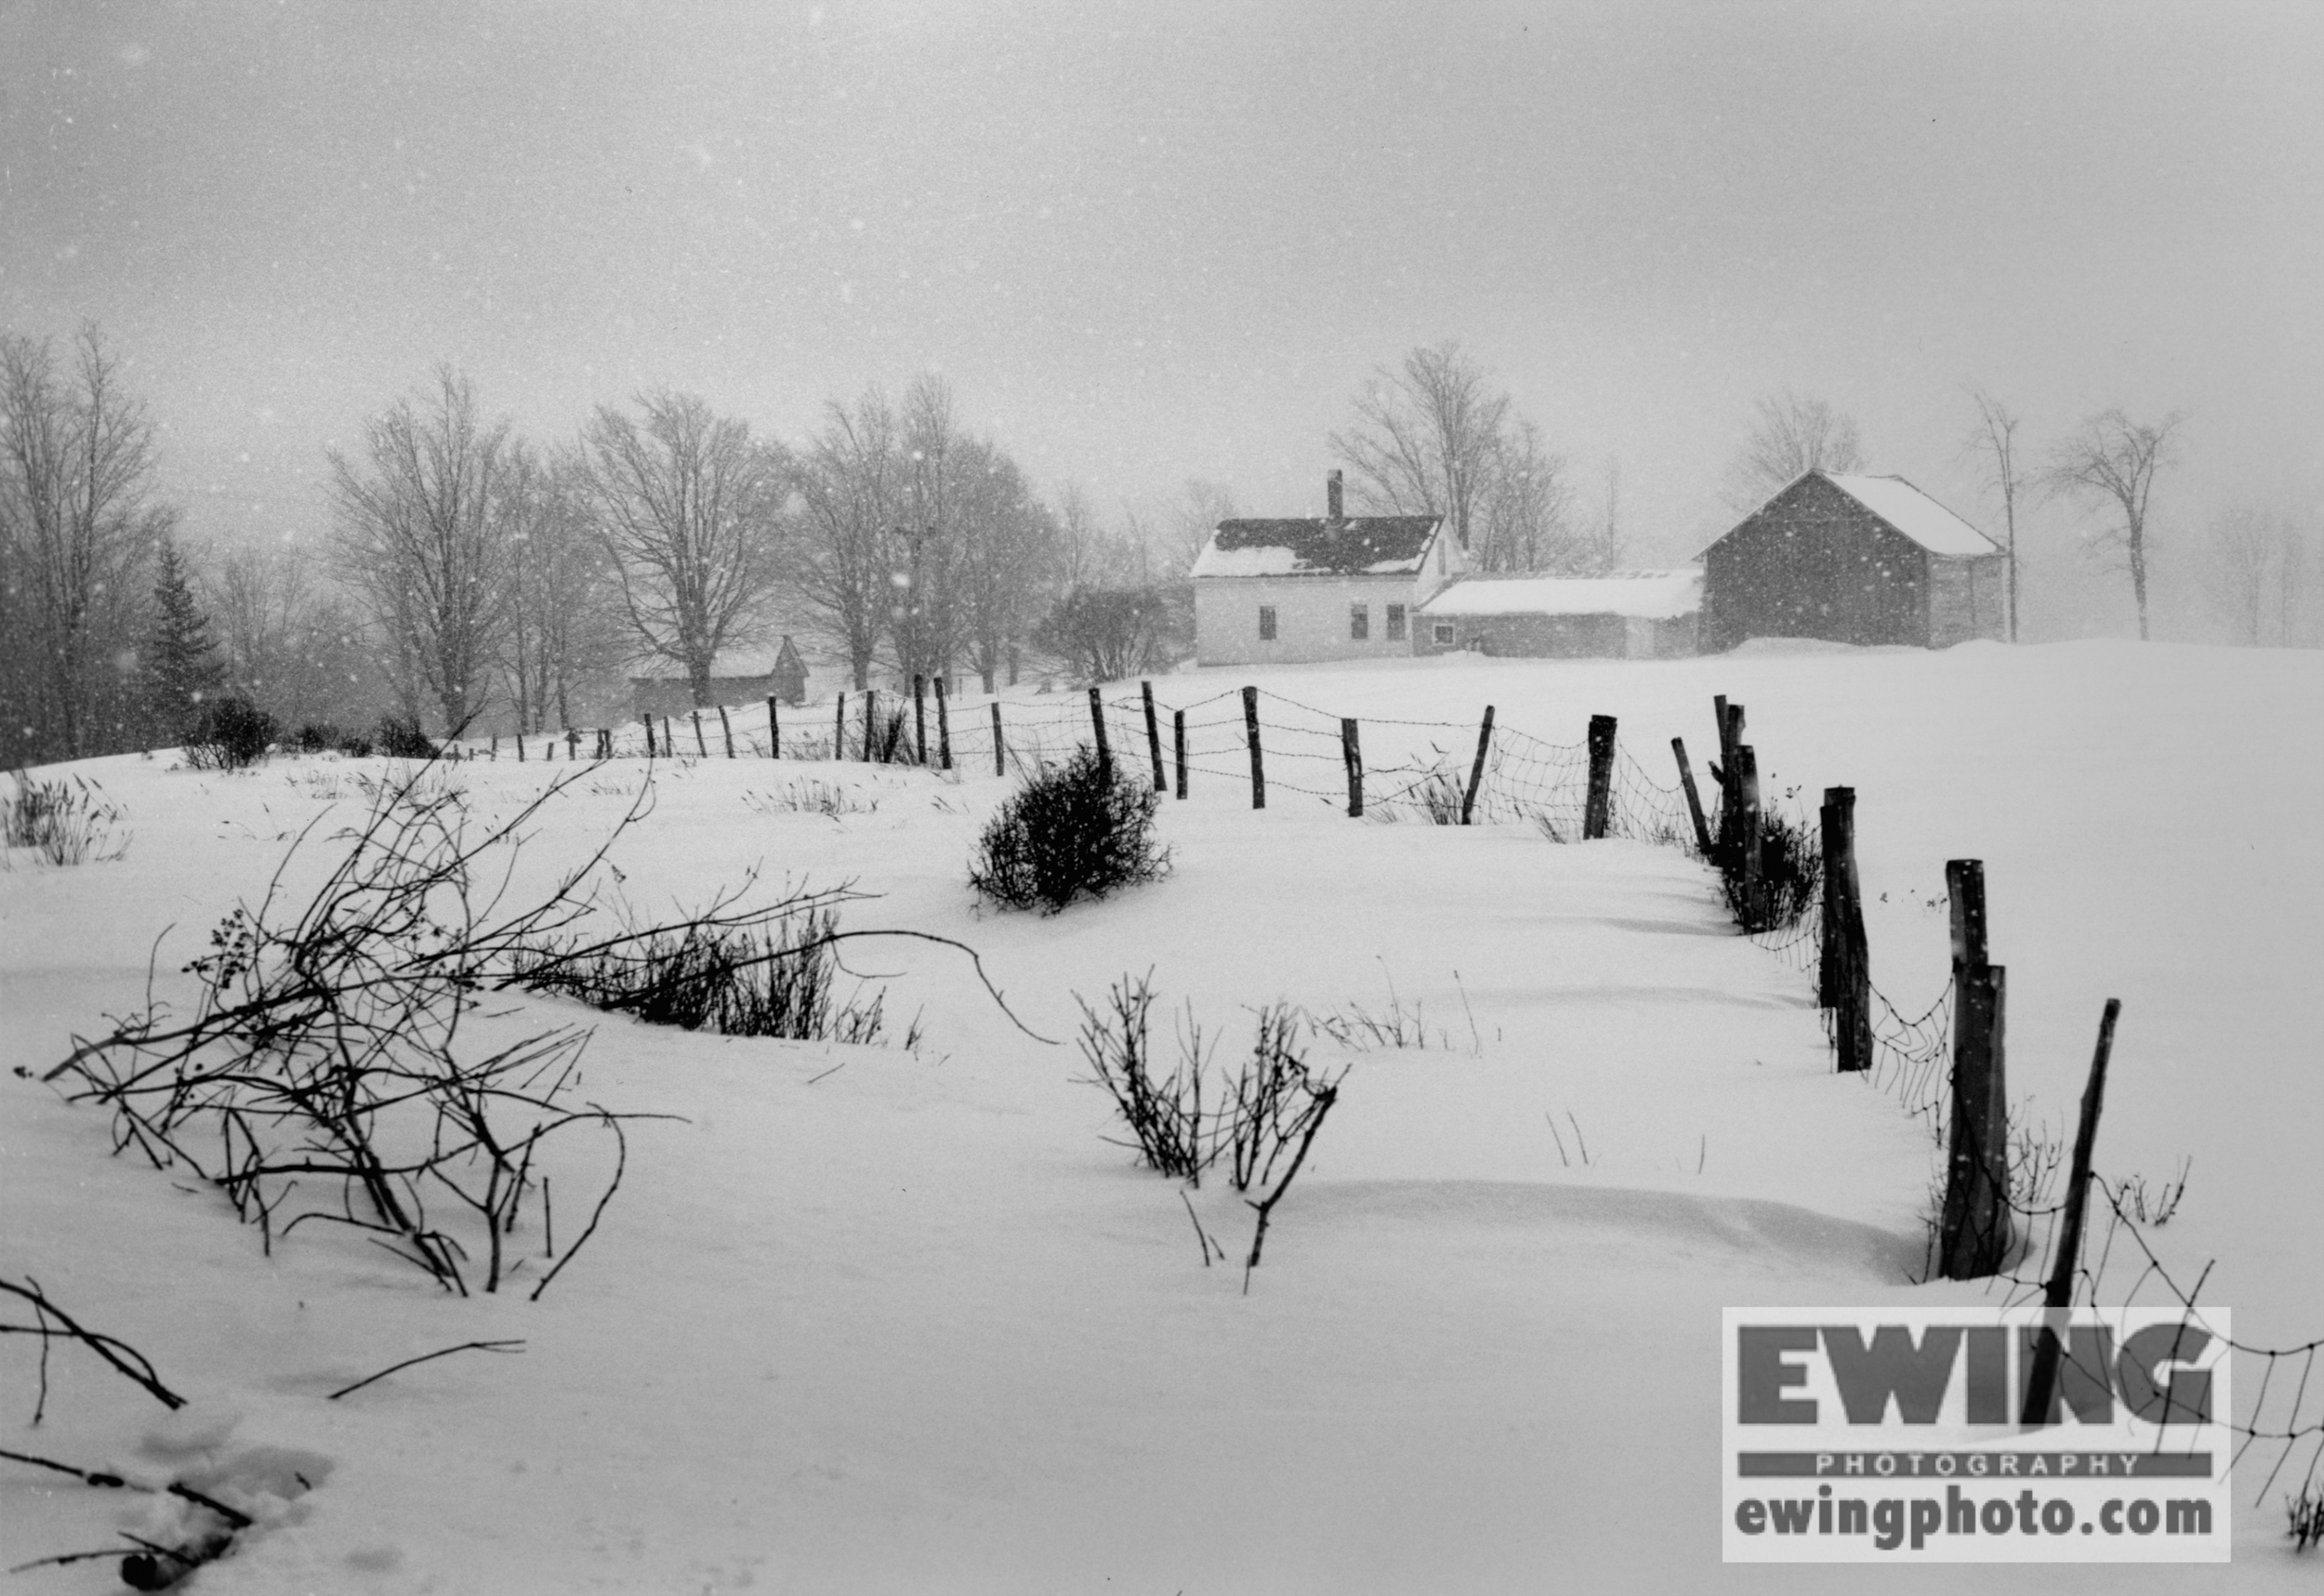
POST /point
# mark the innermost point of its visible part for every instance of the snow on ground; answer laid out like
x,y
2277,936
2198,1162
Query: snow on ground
x,y
879,1320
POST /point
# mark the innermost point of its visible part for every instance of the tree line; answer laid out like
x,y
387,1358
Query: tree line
x,y
470,569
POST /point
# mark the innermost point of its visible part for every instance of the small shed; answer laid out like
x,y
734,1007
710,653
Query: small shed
x,y
789,673
1631,615
737,678
1853,560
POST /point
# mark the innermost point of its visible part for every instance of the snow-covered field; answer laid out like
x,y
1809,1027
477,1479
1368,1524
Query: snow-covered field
x,y
870,1319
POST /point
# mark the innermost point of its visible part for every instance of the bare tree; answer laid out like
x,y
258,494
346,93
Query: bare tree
x,y
78,523
291,641
560,631
1426,437
1994,441
1520,520
2255,572
2112,462
1008,541
1189,521
1790,435
850,486
690,506
423,527
925,552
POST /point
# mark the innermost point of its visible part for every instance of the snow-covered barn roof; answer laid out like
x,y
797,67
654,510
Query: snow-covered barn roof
x,y
1647,595
1322,546
1911,512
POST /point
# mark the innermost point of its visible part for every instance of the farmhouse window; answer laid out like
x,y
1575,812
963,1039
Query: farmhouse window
x,y
1444,634
1266,623
1359,622
1395,622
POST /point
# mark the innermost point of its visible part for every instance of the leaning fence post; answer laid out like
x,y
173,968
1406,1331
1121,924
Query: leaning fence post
x,y
726,729
1975,1232
1744,851
1178,739
919,717
1351,755
1694,800
1251,731
1476,772
775,730
702,749
1097,722
943,728
1598,809
1000,749
2041,1382
1153,735
871,707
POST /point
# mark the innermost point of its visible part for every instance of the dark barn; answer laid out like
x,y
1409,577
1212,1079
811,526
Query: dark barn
x,y
1853,560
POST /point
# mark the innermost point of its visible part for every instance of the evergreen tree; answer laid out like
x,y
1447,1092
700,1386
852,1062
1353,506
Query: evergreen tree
x,y
181,662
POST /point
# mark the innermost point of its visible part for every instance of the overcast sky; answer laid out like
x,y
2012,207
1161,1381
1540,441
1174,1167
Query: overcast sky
x,y
1153,242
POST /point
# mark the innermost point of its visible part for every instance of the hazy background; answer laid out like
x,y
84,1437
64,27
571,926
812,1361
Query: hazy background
x,y
1154,242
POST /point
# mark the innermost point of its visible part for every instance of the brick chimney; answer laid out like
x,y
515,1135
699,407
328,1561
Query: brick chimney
x,y
1331,497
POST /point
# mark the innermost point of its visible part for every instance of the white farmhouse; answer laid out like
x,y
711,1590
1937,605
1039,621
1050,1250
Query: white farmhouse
x,y
1338,586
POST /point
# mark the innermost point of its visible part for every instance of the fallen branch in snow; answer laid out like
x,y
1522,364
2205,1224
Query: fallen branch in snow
x,y
504,1346
104,1346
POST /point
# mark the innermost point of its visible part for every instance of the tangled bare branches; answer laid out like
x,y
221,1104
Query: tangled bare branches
x,y
331,1071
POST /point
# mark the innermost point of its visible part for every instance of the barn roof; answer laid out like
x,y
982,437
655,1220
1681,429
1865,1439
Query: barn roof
x,y
729,664
1913,513
1321,545
1648,595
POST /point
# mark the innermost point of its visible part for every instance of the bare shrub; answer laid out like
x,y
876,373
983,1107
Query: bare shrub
x,y
1433,796
1791,876
811,797
65,822
764,981
1164,1113
231,733
2152,1205
329,1072
1268,1111
1076,830
2304,1516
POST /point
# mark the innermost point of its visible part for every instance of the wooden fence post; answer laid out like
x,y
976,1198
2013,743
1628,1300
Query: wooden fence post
x,y
838,725
1744,849
726,729
702,749
1694,800
1153,736
943,728
649,752
919,718
2058,1296
871,709
1974,1234
1476,772
1844,944
1598,810
1097,722
670,739
775,730
1730,794
519,747
1000,747
1178,738
1250,732
1351,755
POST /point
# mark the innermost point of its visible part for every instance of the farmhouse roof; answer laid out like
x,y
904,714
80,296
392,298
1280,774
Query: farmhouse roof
x,y
1320,546
1906,510
1647,595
